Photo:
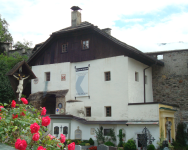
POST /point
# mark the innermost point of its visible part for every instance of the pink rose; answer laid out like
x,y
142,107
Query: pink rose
x,y
20,144
45,121
34,127
71,146
13,104
63,138
36,137
43,111
41,148
24,100
58,145
1,107
0,118
51,137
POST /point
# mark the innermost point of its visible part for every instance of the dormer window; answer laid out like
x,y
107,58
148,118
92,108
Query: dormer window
x,y
85,44
64,48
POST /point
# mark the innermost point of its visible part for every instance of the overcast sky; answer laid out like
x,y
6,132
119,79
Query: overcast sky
x,y
148,25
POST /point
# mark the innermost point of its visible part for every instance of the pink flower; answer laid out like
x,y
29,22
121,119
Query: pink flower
x,y
14,116
41,148
20,144
0,118
34,127
43,111
36,137
45,121
13,104
63,138
51,137
71,146
58,145
1,107
24,100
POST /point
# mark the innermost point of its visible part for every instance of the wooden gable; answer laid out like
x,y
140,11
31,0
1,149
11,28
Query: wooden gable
x,y
101,45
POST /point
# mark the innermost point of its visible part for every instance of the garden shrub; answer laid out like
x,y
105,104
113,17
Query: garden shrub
x,y
109,143
87,144
181,135
130,145
24,127
151,147
120,138
91,141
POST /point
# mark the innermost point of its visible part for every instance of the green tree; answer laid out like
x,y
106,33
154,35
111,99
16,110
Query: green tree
x,y
7,63
25,45
181,135
5,36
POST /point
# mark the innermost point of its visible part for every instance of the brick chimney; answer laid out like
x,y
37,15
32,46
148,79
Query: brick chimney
x,y
75,16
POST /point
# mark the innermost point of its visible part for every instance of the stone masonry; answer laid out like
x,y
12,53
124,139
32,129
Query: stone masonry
x,y
170,82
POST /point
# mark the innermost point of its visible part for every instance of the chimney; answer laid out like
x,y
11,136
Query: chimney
x,y
75,16
107,30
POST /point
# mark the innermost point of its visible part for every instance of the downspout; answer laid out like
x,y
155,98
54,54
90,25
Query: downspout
x,y
144,82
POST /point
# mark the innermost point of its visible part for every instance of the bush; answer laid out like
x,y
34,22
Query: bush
x,y
22,126
130,145
181,135
83,144
151,147
109,143
87,144
120,138
91,141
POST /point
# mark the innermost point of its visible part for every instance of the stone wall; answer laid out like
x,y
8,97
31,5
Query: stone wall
x,y
170,82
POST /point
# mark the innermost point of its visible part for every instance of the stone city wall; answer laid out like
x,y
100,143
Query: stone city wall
x,y
170,82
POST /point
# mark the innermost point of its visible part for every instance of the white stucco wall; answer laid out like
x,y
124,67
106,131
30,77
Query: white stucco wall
x,y
117,93
136,88
55,82
145,112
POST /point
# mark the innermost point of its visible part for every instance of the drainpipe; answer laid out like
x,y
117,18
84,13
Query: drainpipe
x,y
144,82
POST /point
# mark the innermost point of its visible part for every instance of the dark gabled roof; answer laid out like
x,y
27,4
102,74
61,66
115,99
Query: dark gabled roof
x,y
26,69
85,25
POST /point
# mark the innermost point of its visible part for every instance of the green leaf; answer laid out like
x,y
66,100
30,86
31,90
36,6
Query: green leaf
x,y
5,104
35,147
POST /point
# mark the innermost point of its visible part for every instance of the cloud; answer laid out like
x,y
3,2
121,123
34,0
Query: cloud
x,y
35,20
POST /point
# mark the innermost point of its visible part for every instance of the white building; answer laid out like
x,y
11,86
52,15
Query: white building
x,y
86,79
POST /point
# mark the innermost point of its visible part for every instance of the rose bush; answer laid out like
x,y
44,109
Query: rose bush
x,y
22,127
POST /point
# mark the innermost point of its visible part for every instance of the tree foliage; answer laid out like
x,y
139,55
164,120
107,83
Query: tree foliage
x,y
181,135
25,45
5,36
7,63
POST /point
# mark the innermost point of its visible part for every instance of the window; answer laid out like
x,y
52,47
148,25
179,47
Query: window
x,y
64,48
106,132
47,76
146,80
108,111
88,112
85,44
107,76
136,76
139,138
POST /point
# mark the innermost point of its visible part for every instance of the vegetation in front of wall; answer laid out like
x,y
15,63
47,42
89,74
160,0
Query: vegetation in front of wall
x,y
120,138
161,139
111,136
91,142
100,135
130,145
151,147
181,135
108,143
